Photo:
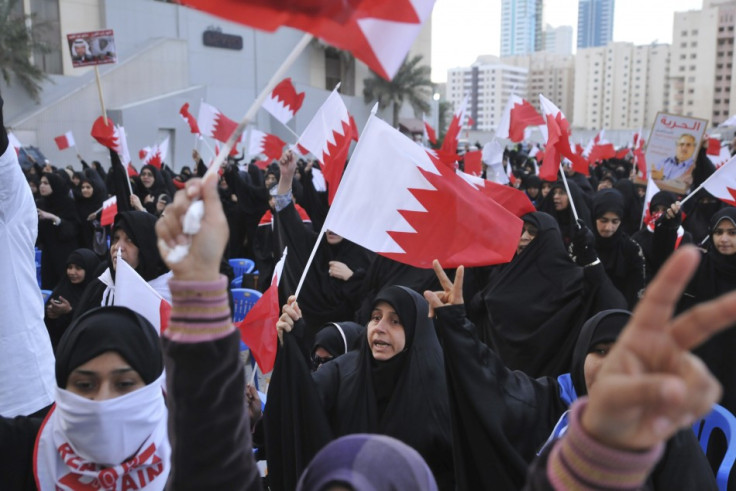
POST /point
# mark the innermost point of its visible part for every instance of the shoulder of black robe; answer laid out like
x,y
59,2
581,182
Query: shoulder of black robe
x,y
633,205
295,423
314,202
418,410
59,202
118,182
500,417
383,272
322,298
17,442
535,303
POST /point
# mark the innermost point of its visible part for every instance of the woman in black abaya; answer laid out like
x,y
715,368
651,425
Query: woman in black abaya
x,y
621,256
80,268
532,308
152,186
393,384
88,201
502,417
557,204
716,275
58,227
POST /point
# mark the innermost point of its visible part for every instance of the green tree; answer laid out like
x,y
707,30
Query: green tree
x,y
17,44
411,84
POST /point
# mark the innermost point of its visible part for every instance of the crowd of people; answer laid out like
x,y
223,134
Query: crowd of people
x,y
531,374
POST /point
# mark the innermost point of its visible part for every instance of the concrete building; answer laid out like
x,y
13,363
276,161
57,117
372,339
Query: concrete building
x,y
595,23
163,62
702,76
488,83
521,27
558,40
620,86
550,74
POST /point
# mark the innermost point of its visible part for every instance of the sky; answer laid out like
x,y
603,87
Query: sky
x,y
464,29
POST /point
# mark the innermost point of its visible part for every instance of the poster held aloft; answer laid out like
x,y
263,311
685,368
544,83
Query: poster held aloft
x,y
93,48
672,150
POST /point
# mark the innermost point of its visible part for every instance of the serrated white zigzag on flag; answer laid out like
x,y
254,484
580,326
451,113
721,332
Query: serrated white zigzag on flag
x,y
388,168
328,120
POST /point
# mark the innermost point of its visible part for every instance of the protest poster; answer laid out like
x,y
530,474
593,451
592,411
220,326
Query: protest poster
x,y
92,48
672,150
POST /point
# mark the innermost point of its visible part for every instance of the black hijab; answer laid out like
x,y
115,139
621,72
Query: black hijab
x,y
603,327
140,226
338,337
531,306
417,408
698,213
633,205
611,249
59,202
110,329
565,218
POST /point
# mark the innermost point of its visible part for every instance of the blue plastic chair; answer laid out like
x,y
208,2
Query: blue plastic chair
x,y
237,282
242,266
243,300
46,294
722,419
38,266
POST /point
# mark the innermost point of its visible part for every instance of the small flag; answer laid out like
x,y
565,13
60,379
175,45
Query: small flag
x,y
284,102
109,210
65,141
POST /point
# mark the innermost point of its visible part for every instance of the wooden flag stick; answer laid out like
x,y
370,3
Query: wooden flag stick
x,y
99,92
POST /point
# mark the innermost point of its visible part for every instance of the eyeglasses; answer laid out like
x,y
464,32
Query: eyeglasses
x,y
318,361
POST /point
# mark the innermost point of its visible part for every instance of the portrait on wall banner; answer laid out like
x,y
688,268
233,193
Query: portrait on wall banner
x,y
92,48
672,149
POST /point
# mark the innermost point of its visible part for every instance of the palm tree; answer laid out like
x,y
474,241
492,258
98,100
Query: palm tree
x,y
17,44
411,83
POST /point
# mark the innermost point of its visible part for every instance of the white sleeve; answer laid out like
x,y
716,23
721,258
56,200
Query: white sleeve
x,y
27,377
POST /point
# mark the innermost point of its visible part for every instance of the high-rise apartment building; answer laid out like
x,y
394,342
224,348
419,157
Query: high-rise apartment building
x,y
558,40
549,74
521,27
620,86
702,76
488,83
595,23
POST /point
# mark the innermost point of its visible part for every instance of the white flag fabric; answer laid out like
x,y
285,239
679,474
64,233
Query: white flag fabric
x,y
399,201
135,293
722,183
493,157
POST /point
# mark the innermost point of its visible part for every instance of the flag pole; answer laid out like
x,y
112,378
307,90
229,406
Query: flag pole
x,y
569,196
309,261
277,76
99,92
693,193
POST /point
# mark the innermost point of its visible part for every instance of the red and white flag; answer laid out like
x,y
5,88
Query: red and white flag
x,y
260,143
723,156
65,141
258,329
424,210
517,116
558,143
109,210
598,139
328,137
135,293
473,163
646,217
378,32
155,155
601,151
448,152
284,101
188,118
112,137
493,157
429,134
14,142
513,200
722,183
214,124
